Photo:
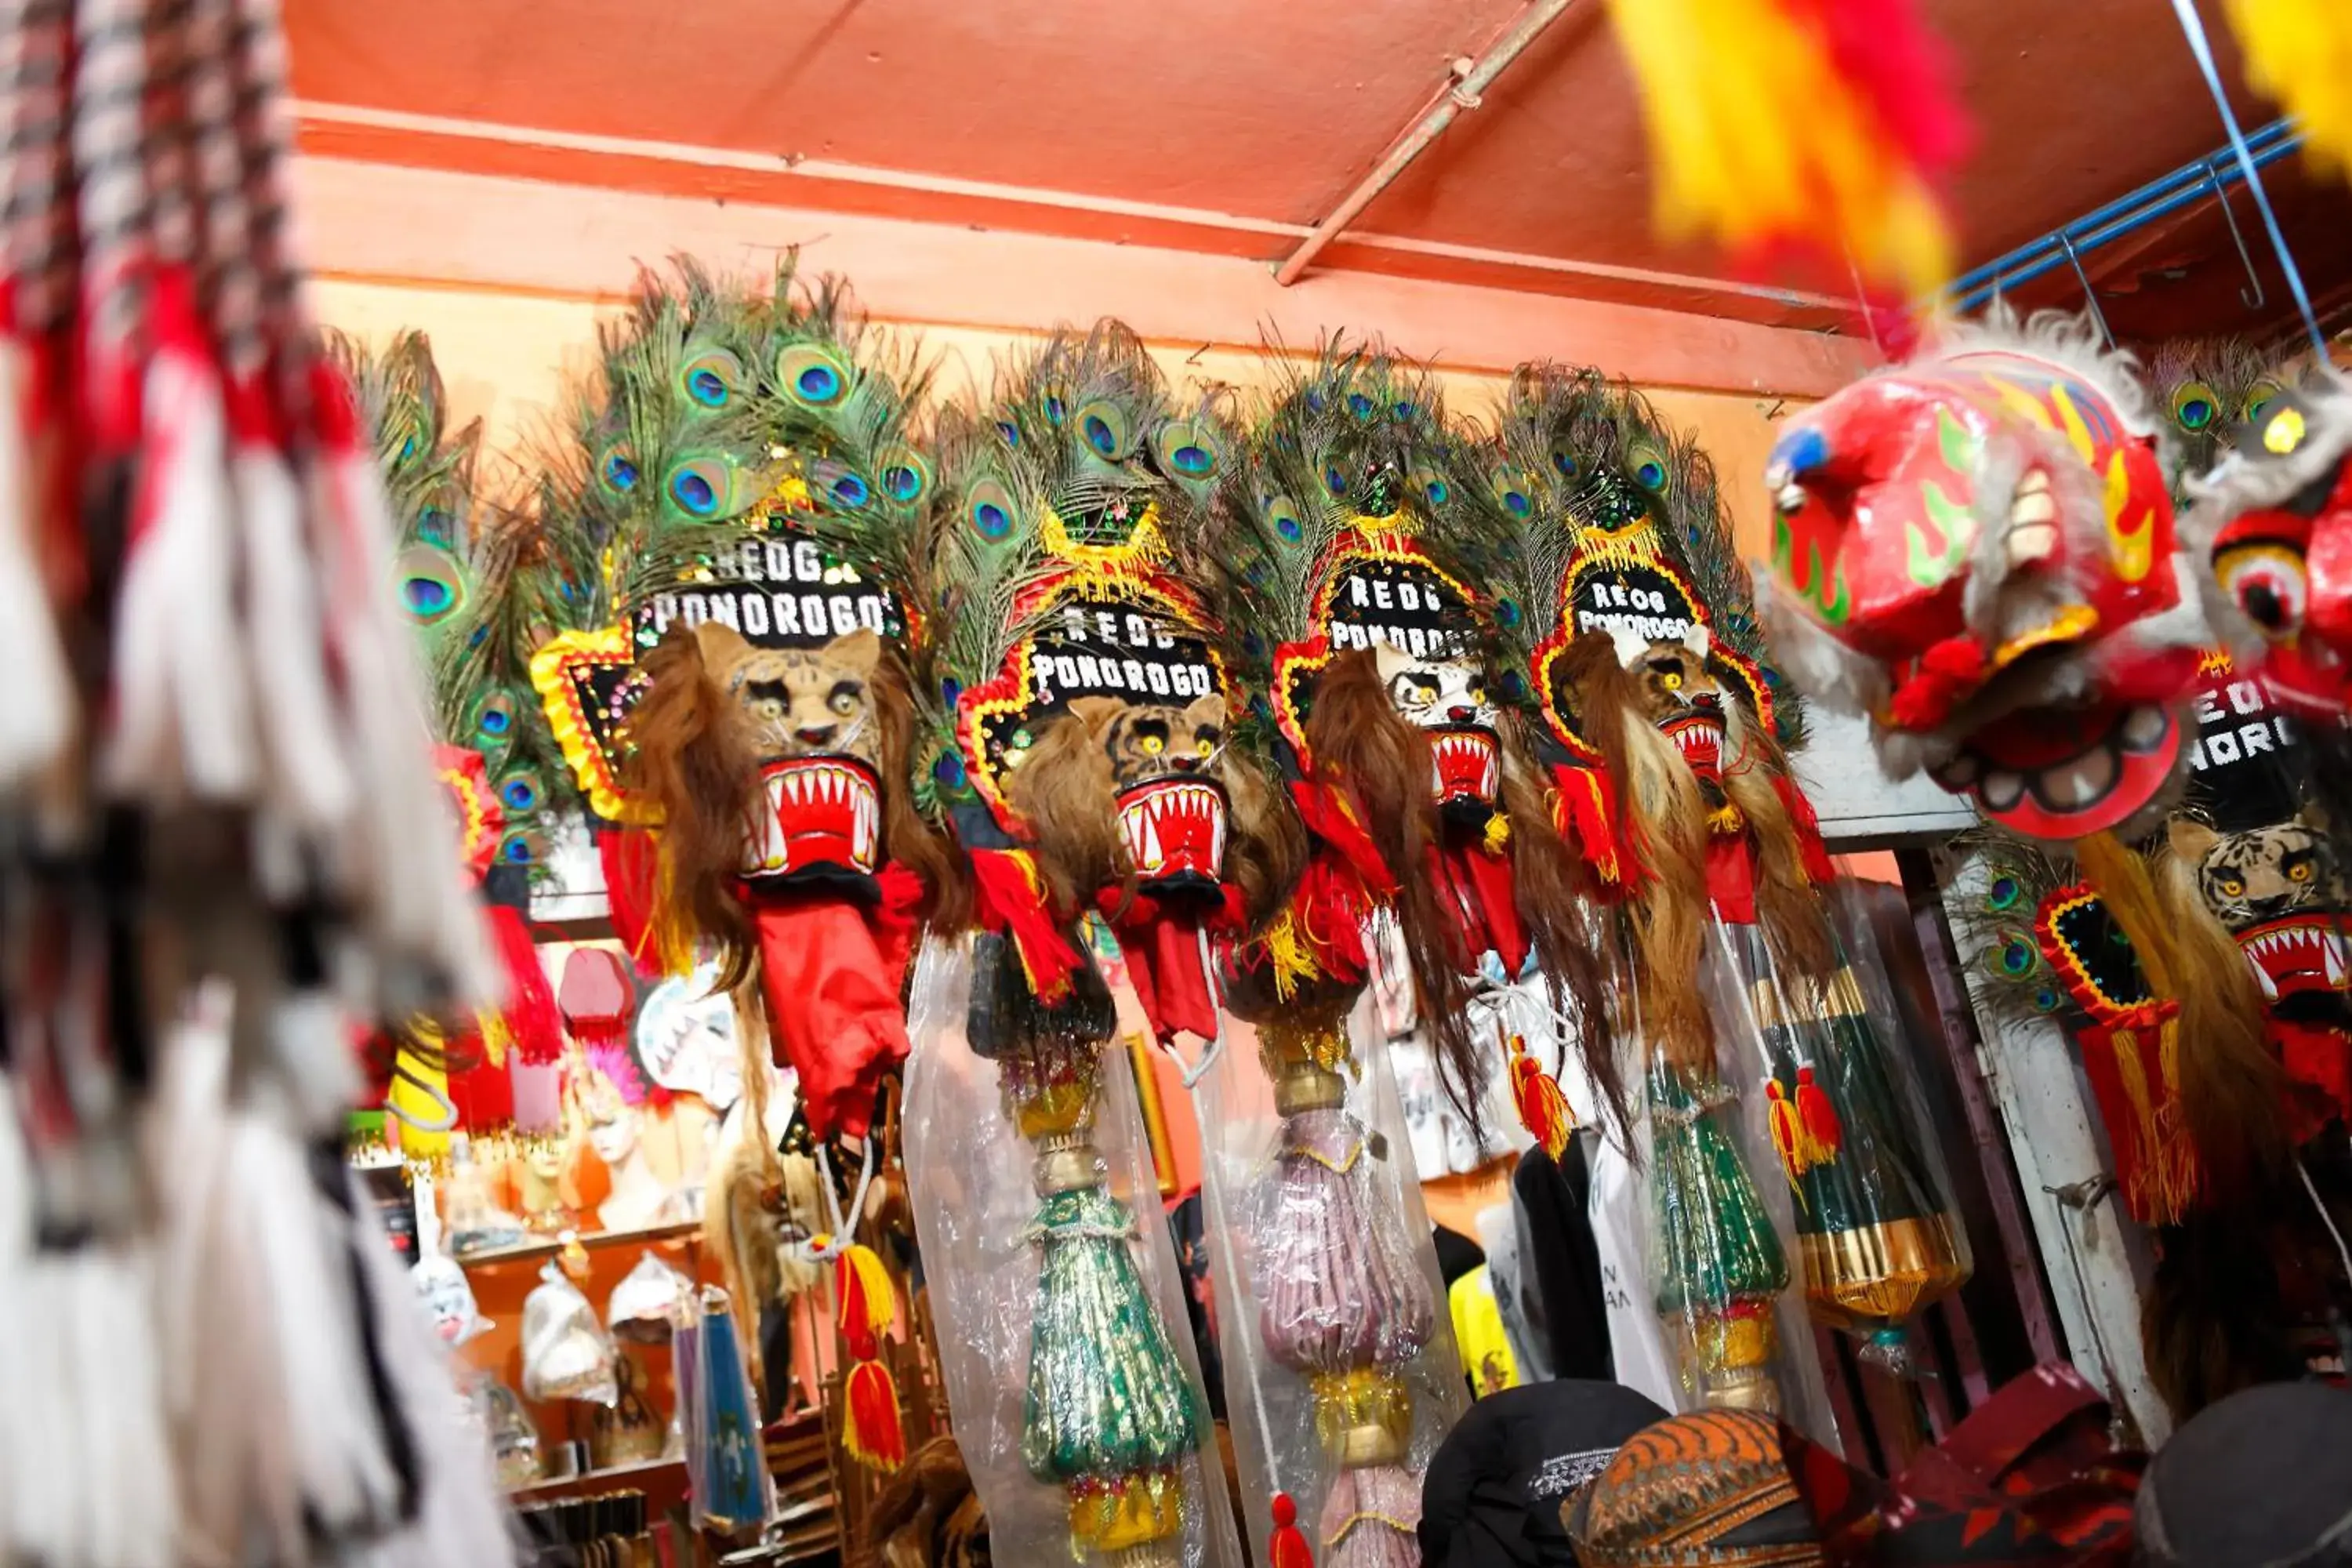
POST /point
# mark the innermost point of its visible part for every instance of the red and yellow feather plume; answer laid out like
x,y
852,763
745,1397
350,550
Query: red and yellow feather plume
x,y
1818,125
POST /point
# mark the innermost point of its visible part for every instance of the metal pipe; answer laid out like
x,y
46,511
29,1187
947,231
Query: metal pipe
x,y
1462,94
2278,134
2048,254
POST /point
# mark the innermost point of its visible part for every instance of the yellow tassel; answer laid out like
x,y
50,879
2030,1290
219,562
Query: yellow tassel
x,y
1289,956
1499,834
874,1285
2300,53
1725,820
1756,138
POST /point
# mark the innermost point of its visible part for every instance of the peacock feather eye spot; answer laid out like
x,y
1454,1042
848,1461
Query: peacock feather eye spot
x,y
1517,504
495,721
819,383
1335,480
435,527
1099,436
427,598
2197,414
1513,688
694,492
1193,459
519,795
1650,475
1404,409
850,491
1055,411
516,851
1009,431
1440,492
1315,403
2004,892
1289,528
1507,613
620,472
1359,405
992,520
951,690
900,482
2017,956
949,770
1253,645
2046,1000
1565,462
707,388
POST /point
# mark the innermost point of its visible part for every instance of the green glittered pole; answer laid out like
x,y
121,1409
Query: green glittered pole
x,y
1721,1263
1110,1415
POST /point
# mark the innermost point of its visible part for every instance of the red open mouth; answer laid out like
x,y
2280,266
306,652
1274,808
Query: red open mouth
x,y
821,810
2065,774
2305,952
1465,765
1698,736
1175,828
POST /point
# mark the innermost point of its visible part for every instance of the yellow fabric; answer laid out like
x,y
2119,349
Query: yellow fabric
x,y
1478,1335
1756,138
2300,52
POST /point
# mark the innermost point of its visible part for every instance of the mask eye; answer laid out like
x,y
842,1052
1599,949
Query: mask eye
x,y
2266,582
2231,887
1205,747
1478,695
1672,680
1152,745
2299,872
844,703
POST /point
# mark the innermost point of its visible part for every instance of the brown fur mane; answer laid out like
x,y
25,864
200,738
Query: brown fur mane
x,y
1265,850
1556,890
1788,905
689,759
907,836
1358,742
1667,834
1063,794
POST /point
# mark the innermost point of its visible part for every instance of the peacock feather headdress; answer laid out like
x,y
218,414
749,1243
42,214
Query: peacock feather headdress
x,y
742,454
460,580
2208,387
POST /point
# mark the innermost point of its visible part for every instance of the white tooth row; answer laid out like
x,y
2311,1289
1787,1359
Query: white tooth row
x,y
2292,946
1691,737
819,783
1451,744
1143,814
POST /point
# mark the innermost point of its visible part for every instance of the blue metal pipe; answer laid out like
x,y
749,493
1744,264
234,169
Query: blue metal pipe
x,y
2185,187
2187,175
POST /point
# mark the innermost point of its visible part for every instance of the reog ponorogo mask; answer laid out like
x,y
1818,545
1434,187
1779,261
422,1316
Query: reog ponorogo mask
x,y
1409,766
1092,767
751,699
1976,550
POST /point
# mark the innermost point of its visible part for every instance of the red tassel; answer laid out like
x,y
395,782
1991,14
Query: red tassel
x,y
533,1024
870,1428
1543,1109
1287,1547
1819,1116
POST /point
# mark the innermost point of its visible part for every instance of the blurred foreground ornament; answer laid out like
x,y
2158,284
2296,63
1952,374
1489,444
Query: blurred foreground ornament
x,y
1822,126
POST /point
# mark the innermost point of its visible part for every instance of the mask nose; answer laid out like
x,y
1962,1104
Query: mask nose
x,y
1185,765
1707,700
815,734
1463,715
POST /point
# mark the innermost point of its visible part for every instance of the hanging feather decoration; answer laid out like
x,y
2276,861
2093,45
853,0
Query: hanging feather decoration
x,y
2300,53
1822,126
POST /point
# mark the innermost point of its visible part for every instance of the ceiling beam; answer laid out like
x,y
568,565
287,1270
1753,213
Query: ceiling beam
x,y
1470,78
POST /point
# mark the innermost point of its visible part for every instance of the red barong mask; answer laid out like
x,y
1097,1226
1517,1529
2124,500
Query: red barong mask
x,y
1976,550
2275,522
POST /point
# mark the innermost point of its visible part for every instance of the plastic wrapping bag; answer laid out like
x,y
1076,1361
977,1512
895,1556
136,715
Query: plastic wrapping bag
x,y
648,1301
726,1457
566,1354
1341,1374
1717,1249
1879,1236
1074,1391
